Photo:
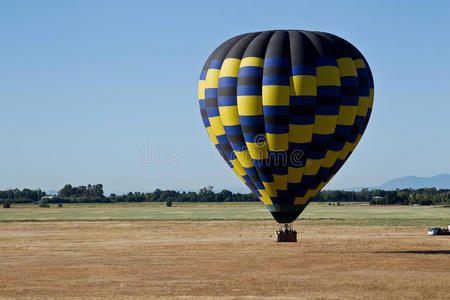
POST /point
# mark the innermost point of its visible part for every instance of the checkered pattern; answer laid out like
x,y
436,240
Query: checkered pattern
x,y
286,109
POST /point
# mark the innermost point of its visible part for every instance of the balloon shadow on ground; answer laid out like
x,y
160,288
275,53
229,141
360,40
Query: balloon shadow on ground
x,y
416,252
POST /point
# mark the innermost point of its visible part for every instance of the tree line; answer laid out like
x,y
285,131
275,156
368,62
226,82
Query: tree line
x,y
95,194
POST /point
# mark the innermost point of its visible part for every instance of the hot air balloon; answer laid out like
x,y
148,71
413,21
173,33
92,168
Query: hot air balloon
x,y
285,109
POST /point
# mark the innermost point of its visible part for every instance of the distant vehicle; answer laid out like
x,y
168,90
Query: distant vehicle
x,y
439,231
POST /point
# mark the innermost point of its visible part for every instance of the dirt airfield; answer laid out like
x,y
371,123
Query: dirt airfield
x,y
220,260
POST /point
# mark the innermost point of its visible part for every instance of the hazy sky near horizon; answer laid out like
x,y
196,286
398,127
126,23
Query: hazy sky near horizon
x,y
106,91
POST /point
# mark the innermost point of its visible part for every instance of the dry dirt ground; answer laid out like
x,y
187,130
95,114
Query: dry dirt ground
x,y
220,260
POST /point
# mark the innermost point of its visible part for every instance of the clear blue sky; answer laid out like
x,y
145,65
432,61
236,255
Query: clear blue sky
x,y
88,87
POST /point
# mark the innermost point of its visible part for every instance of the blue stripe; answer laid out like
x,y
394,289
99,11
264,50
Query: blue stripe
x,y
228,101
336,146
250,138
258,194
363,72
301,120
359,120
249,90
203,75
352,137
349,81
231,155
215,64
302,100
213,112
303,70
211,93
235,129
364,91
327,110
326,61
282,194
250,71
251,120
223,139
275,110
259,185
343,129
261,163
299,146
276,61
206,122
275,80
239,146
275,200
277,129
328,90
202,103
279,171
227,81
266,178
322,138
251,171
246,178
229,163
301,192
349,100
316,154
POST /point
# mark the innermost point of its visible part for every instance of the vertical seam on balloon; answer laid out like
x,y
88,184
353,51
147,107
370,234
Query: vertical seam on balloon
x,y
257,171
233,149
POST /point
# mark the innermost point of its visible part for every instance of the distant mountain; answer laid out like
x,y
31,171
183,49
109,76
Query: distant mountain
x,y
439,181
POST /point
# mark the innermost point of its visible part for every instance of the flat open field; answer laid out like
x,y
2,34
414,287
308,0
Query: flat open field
x,y
335,258
351,214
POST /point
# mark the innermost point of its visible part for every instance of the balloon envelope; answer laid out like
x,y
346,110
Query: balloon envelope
x,y
285,109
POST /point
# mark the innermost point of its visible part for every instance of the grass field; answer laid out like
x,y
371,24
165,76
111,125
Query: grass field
x,y
221,251
354,214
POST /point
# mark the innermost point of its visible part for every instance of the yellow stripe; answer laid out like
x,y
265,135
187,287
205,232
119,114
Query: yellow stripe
x,y
302,85
278,142
270,188
300,133
230,67
295,174
280,182
249,105
359,63
347,115
265,197
252,62
328,75
363,105
216,124
372,92
312,166
346,67
325,124
211,135
244,158
238,167
212,78
300,200
275,95
201,89
229,115
330,158
257,151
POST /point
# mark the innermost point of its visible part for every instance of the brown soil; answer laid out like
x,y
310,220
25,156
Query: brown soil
x,y
220,260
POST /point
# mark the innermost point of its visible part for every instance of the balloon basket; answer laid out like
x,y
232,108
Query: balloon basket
x,y
286,234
